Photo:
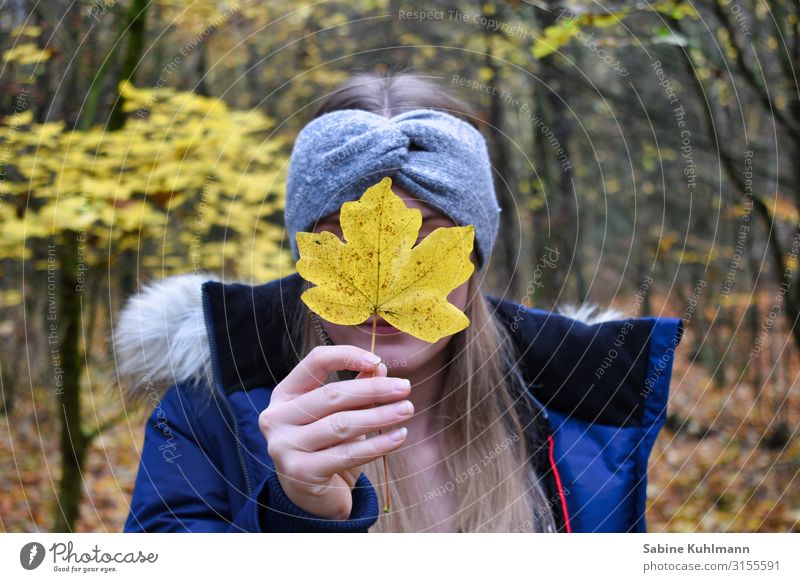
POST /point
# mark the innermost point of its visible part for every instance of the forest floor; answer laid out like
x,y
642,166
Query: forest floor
x,y
710,469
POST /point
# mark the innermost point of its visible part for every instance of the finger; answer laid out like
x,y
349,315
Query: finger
x,y
354,454
343,426
380,371
312,370
345,395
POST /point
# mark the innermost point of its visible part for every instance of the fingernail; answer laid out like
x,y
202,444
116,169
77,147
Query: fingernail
x,y
405,407
372,359
400,383
398,434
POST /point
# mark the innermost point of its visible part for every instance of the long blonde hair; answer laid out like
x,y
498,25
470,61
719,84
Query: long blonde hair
x,y
479,432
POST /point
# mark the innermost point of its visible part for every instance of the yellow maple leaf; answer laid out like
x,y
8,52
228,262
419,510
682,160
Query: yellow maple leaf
x,y
379,270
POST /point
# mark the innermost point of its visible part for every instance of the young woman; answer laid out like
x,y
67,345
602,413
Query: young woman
x,y
268,418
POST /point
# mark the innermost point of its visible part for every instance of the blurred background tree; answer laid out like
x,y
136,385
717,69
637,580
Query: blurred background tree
x,y
645,156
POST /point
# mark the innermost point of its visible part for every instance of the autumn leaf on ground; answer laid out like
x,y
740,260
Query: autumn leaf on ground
x,y
377,269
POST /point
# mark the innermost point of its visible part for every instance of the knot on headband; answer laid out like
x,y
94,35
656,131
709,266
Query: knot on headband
x,y
433,155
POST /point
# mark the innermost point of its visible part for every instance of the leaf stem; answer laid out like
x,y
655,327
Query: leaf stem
x,y
385,461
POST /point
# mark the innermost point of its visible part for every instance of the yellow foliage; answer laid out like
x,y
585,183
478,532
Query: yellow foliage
x,y
677,9
181,164
10,298
666,242
26,53
553,39
688,256
485,74
782,209
602,20
27,30
17,230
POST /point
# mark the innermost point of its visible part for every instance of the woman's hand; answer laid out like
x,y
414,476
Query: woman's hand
x,y
316,432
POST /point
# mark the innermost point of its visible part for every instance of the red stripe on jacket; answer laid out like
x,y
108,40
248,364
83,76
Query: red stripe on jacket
x,y
558,484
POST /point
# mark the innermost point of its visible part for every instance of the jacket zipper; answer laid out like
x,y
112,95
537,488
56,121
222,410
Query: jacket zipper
x,y
212,344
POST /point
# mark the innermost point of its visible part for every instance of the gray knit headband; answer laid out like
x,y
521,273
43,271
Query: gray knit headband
x,y
434,156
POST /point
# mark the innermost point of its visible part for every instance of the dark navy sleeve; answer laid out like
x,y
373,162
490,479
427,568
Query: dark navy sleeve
x,y
181,486
280,514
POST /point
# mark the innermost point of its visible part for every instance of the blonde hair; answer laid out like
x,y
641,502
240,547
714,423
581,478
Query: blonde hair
x,y
491,484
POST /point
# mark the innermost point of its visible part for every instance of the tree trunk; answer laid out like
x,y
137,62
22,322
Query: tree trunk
x,y
509,235
73,440
557,131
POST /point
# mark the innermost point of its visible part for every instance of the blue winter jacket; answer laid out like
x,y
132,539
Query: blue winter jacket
x,y
206,356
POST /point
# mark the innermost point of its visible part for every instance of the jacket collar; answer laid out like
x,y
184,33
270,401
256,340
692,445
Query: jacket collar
x,y
571,365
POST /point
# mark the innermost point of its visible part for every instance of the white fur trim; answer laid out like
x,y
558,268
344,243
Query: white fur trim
x,y
585,313
160,337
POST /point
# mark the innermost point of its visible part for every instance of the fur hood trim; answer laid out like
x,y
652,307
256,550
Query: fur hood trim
x,y
160,337
591,314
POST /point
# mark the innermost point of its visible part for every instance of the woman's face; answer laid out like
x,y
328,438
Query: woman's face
x,y
399,351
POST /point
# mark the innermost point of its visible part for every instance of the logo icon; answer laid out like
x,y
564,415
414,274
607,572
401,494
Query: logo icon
x,y
31,555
